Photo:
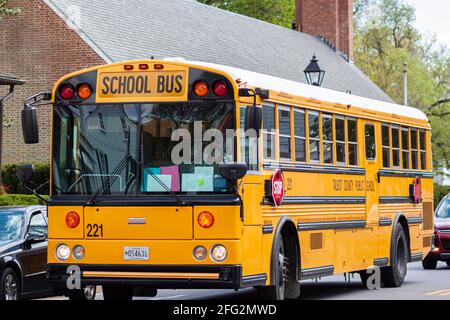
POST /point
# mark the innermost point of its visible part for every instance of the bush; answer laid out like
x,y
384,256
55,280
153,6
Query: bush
x,y
12,184
20,200
439,193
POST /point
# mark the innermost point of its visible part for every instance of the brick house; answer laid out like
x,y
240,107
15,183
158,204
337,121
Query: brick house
x,y
51,38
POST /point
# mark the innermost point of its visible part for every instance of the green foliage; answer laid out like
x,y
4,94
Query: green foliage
x,y
439,193
12,184
281,12
20,200
6,10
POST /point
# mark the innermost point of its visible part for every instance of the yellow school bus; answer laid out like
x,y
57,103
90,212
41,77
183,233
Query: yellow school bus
x,y
332,183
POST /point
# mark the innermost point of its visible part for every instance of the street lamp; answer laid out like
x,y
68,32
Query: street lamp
x,y
314,75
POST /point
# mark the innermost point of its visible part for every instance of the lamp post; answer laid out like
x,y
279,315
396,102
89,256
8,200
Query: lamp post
x,y
11,82
314,75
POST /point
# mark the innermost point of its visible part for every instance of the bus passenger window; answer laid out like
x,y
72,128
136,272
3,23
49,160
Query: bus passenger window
x,y
414,151
340,140
386,146
314,136
370,142
352,142
269,131
405,148
284,125
423,150
300,135
395,147
327,134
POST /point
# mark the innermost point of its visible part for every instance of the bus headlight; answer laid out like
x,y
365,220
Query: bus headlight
x,y
62,252
78,252
200,253
219,253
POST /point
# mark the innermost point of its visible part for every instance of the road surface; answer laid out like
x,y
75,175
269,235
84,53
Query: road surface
x,y
420,284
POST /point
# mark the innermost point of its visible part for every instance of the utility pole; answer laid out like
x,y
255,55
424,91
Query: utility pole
x,y
405,84
11,82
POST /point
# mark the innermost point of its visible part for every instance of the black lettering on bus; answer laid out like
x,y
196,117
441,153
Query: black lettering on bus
x,y
161,84
170,83
106,81
131,81
122,85
178,80
146,85
140,84
113,90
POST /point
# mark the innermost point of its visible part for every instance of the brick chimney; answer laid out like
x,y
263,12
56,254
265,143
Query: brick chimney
x,y
331,19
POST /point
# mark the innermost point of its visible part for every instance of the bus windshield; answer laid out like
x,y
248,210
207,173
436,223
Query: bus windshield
x,y
139,149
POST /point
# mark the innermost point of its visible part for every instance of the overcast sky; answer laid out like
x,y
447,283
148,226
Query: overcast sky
x,y
433,16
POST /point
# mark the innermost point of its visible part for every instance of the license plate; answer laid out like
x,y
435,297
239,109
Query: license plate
x,y
136,253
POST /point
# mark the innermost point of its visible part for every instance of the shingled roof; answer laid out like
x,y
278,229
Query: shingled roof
x,y
134,29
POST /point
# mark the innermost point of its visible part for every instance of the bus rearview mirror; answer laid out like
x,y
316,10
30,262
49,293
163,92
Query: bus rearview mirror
x,y
25,172
30,125
253,119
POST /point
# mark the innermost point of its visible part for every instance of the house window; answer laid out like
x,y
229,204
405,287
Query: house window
x,y
340,140
395,147
414,150
405,148
386,145
369,133
269,134
300,135
327,134
284,125
352,142
314,136
423,150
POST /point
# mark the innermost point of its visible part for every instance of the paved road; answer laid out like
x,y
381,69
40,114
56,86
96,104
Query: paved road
x,y
419,284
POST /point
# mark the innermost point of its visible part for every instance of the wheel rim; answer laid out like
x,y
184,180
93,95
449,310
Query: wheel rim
x,y
283,271
10,287
89,292
401,257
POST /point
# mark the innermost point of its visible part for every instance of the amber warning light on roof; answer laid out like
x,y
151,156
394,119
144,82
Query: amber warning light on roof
x,y
138,85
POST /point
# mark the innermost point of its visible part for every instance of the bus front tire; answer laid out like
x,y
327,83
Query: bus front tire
x,y
117,293
393,276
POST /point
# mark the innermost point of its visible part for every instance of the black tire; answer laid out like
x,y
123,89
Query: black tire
x,y
394,275
429,263
86,294
9,285
448,263
114,293
364,277
281,274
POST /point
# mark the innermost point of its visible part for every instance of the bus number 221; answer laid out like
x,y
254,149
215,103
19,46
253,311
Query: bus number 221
x,y
94,230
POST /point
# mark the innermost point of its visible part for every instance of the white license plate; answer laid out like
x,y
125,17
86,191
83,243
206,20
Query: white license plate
x,y
136,253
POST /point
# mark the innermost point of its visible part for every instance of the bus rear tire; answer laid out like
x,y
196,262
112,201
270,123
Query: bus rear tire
x,y
393,276
115,293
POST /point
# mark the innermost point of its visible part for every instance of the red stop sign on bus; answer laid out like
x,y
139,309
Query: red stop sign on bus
x,y
277,187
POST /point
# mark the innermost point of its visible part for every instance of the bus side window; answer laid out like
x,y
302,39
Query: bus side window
x,y
284,125
386,145
405,148
314,136
327,134
352,142
340,140
370,142
300,135
395,147
414,151
423,150
269,134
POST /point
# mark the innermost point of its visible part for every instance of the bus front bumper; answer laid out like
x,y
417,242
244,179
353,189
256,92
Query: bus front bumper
x,y
168,277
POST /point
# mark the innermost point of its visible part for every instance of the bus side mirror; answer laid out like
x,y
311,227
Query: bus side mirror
x,y
233,171
30,125
25,172
253,119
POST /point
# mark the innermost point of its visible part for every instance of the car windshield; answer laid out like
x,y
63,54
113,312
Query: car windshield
x,y
443,211
11,224
139,149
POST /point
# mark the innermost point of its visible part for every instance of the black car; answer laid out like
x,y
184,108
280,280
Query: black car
x,y
23,255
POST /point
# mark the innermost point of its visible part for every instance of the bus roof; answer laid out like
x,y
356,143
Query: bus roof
x,y
254,79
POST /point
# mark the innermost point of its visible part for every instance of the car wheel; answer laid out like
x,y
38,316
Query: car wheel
x,y
429,263
281,272
87,293
9,285
117,293
448,263
394,275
